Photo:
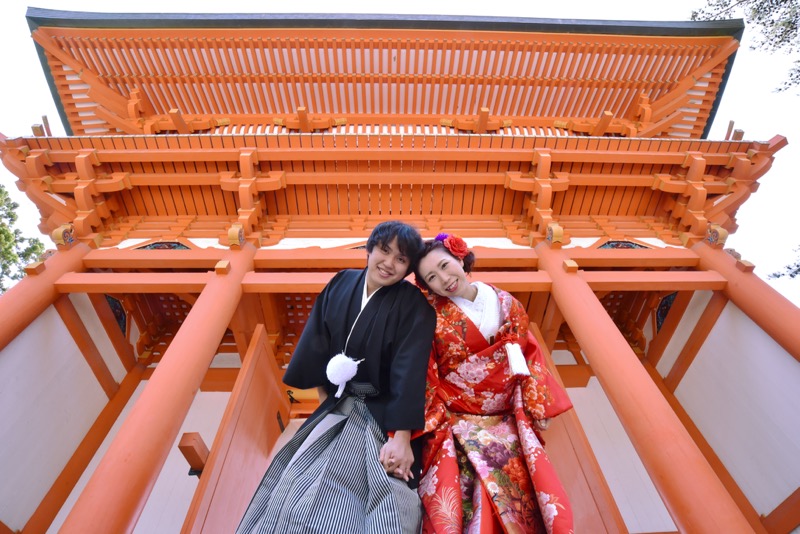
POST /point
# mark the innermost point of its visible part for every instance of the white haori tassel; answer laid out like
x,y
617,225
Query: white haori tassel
x,y
516,360
341,369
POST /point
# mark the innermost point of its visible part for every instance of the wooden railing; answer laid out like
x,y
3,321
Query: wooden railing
x,y
253,421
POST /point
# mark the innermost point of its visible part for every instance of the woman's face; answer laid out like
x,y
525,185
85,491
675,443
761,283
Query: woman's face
x,y
386,265
445,274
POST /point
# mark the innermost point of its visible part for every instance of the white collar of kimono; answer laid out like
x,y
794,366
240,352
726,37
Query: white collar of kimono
x,y
364,297
342,368
484,311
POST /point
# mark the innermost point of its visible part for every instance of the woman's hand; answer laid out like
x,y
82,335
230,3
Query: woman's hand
x,y
396,455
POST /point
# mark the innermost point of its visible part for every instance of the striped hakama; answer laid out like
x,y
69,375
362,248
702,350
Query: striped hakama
x,y
327,479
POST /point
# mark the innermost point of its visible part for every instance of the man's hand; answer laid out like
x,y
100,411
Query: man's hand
x,y
396,455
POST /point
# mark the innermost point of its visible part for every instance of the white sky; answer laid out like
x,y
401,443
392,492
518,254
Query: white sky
x,y
768,224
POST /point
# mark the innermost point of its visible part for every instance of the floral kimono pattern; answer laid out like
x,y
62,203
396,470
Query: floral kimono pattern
x,y
484,467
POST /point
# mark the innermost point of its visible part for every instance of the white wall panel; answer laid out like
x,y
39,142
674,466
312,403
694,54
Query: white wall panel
x,y
690,317
49,398
648,330
563,357
133,335
172,494
98,334
743,392
633,490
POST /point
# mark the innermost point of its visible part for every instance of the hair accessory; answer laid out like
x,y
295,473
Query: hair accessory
x,y
457,246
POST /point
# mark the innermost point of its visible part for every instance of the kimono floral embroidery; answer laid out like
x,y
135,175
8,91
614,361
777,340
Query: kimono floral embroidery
x,y
482,450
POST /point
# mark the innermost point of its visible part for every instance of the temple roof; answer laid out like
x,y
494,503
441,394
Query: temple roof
x,y
190,73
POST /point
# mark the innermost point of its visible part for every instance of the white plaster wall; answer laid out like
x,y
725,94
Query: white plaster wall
x,y
585,242
563,357
98,334
649,328
133,334
633,490
743,392
131,243
172,494
690,317
226,360
49,398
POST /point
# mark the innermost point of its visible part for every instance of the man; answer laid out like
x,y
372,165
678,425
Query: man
x,y
349,467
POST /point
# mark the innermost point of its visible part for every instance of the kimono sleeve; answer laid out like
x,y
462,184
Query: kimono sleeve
x,y
412,347
309,360
543,395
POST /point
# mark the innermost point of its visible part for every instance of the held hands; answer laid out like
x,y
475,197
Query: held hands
x,y
396,456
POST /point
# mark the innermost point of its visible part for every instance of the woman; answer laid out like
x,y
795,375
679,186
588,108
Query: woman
x,y
489,392
365,347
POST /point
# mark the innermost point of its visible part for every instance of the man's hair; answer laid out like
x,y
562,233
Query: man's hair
x,y
408,240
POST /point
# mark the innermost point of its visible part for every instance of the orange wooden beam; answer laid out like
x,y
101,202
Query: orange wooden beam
x,y
467,153
719,468
66,183
29,297
341,258
61,489
205,258
582,473
121,345
693,494
696,339
142,444
786,517
219,379
194,449
663,336
652,280
654,257
575,376
133,282
80,334
293,282
250,427
770,310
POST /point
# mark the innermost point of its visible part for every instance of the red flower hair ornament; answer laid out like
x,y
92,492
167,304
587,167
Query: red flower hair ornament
x,y
457,246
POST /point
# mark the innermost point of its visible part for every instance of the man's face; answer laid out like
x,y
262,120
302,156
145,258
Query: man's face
x,y
386,265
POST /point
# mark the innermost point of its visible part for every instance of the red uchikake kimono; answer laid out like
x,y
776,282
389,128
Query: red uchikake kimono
x,y
484,467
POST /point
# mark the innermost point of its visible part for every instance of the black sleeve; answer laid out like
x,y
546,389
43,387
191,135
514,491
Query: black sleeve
x,y
311,355
405,408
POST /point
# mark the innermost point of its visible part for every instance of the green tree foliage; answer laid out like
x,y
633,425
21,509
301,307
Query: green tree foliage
x,y
775,23
15,251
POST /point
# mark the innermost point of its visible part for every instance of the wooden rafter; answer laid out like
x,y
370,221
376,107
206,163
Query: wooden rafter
x,y
442,73
108,193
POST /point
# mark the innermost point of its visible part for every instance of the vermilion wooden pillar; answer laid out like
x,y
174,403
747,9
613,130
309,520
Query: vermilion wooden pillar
x,y
29,297
118,490
696,499
770,310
